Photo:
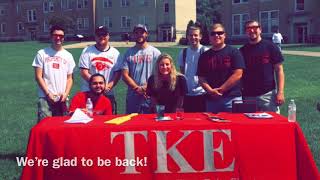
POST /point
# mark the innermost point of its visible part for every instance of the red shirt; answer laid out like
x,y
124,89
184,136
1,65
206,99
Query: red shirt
x,y
100,107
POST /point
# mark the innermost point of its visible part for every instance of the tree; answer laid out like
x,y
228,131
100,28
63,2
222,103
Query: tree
x,y
191,23
207,14
205,35
208,11
66,22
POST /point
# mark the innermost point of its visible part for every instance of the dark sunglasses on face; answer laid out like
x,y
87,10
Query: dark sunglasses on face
x,y
248,28
214,33
57,35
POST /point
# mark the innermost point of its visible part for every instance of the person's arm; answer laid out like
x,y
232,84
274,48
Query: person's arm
x,y
39,78
153,104
68,88
231,81
114,81
131,83
85,74
214,92
280,83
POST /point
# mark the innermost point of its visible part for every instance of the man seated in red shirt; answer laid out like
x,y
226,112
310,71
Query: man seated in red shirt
x,y
101,104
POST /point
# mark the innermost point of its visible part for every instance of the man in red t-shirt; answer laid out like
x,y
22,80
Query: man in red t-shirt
x,y
101,104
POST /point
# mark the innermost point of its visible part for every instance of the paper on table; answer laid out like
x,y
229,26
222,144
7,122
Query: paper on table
x,y
121,119
262,115
79,117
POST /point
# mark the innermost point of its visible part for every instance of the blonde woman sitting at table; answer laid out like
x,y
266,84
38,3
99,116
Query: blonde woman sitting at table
x,y
166,86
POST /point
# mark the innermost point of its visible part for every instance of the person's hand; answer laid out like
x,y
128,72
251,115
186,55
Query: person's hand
x,y
280,98
63,97
215,92
51,97
140,90
108,87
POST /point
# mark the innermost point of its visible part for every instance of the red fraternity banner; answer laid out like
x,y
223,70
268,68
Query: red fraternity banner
x,y
192,148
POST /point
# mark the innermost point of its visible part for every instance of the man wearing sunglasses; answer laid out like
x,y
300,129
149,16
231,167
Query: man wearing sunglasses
x,y
263,61
101,104
104,59
53,72
220,70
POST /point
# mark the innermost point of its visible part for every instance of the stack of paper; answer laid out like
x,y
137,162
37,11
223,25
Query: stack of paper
x,y
79,117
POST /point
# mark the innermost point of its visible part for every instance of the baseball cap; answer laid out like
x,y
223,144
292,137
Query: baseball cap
x,y
102,31
140,26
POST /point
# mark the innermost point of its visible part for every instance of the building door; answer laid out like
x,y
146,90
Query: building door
x,y
33,35
166,35
301,33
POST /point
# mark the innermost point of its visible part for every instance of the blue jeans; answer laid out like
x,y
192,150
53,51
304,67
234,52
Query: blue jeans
x,y
113,103
136,103
223,104
266,102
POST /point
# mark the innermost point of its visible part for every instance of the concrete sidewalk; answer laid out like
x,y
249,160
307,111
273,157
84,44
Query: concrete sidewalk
x,y
302,53
122,44
176,45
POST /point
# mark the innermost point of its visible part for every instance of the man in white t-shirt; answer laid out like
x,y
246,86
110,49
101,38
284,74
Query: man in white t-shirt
x,y
53,72
103,59
194,100
277,38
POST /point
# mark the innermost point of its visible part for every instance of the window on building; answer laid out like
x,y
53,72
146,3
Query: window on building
x,y
124,3
48,6
46,25
299,5
143,20
239,1
143,2
107,3
125,22
19,27
2,11
3,28
83,23
66,4
238,22
166,7
107,22
82,4
18,8
269,20
31,14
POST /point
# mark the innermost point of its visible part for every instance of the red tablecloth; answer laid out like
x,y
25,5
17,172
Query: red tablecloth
x,y
193,148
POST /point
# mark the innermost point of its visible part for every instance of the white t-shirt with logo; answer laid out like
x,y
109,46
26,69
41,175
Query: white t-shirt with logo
x,y
102,62
55,65
191,64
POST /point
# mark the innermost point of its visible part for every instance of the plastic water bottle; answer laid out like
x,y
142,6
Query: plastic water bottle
x,y
292,111
89,107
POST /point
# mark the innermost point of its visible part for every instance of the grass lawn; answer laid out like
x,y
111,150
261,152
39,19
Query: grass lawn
x,y
19,97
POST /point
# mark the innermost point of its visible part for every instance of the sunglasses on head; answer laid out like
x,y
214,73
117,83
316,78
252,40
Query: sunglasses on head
x,y
252,27
214,33
58,35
